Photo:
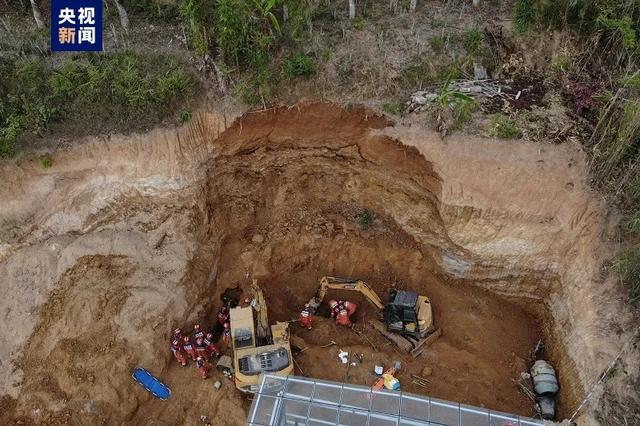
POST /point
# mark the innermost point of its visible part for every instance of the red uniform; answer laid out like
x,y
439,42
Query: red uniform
x,y
178,352
189,349
226,335
211,347
203,367
345,310
197,332
201,349
223,316
306,318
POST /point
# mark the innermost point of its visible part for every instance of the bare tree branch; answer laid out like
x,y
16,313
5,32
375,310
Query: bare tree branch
x,y
37,15
122,13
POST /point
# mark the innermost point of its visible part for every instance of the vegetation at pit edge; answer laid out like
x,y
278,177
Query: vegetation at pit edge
x,y
87,93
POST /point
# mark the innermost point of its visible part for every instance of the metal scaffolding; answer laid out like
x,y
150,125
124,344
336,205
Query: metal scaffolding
x,y
302,401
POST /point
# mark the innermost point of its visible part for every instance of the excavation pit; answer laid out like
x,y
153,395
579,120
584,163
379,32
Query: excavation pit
x,y
145,234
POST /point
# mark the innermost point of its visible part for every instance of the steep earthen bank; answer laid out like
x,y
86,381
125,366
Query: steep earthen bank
x,y
173,215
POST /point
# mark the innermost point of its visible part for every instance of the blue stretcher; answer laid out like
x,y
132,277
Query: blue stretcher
x,y
151,383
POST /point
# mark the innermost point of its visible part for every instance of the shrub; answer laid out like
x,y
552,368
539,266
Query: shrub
x,y
358,24
46,162
504,127
298,64
185,116
365,219
89,93
524,15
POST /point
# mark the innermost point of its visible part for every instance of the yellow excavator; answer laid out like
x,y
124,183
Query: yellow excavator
x,y
257,347
408,317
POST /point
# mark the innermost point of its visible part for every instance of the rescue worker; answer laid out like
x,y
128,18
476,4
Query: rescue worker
x,y
306,317
189,349
203,367
226,334
178,351
223,315
345,310
211,347
197,332
333,305
201,349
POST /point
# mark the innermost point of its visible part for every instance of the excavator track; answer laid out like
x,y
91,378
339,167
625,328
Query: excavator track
x,y
414,348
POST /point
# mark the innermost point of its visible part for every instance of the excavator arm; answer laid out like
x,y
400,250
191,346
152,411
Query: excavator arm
x,y
338,283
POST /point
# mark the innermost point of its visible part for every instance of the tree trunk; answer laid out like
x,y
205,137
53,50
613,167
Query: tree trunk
x,y
476,3
352,9
412,5
36,14
122,13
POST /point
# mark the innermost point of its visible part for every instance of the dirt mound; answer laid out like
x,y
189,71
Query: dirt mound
x,y
146,232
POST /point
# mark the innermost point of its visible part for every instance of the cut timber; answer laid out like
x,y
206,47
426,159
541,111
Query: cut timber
x,y
403,343
414,348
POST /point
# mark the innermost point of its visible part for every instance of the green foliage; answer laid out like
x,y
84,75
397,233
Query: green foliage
x,y
524,15
298,64
358,23
395,108
504,127
627,265
151,8
198,15
365,219
185,116
621,29
46,162
88,93
473,39
631,81
437,43
460,105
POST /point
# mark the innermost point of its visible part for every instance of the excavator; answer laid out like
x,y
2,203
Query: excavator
x,y
407,316
257,347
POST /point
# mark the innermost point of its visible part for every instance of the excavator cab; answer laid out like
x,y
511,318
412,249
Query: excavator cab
x,y
408,313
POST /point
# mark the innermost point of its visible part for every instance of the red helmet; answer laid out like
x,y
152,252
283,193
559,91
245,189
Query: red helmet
x,y
200,358
306,305
196,327
177,331
247,300
199,340
209,336
223,309
333,304
226,325
186,339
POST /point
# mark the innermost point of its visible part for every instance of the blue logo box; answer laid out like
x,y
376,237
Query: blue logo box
x,y
76,25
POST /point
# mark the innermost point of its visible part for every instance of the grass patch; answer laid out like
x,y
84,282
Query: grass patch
x,y
627,265
298,64
504,127
472,39
524,15
87,94
437,43
395,108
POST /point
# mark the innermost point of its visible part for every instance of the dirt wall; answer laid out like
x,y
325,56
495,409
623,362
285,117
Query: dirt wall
x,y
157,211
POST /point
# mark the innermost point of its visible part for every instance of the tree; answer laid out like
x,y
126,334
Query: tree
x,y
36,14
122,13
352,9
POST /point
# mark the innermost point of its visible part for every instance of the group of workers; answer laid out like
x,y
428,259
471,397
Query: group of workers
x,y
200,346
341,310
